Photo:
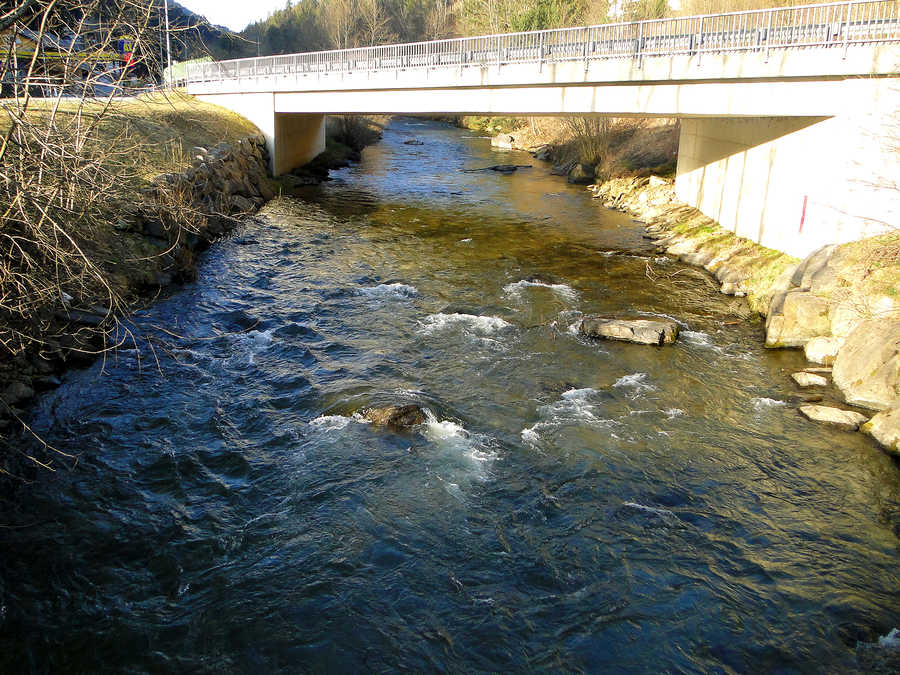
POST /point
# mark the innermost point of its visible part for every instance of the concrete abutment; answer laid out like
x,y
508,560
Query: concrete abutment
x,y
796,183
293,139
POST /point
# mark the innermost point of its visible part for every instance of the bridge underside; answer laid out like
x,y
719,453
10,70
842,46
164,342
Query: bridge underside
x,y
790,163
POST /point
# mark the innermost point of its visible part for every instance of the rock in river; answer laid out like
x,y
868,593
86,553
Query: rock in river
x,y
805,379
823,349
885,428
396,417
867,368
844,419
640,331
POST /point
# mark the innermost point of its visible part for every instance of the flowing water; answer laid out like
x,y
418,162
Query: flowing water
x,y
569,505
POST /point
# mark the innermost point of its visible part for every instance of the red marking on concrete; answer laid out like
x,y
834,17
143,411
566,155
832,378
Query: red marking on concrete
x,y
803,214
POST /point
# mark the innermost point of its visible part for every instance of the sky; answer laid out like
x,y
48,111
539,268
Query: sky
x,y
233,14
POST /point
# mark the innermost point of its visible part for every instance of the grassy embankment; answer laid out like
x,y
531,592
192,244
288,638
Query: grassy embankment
x,y
139,139
128,144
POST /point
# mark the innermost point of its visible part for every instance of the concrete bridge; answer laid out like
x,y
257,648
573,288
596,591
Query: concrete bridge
x,y
789,127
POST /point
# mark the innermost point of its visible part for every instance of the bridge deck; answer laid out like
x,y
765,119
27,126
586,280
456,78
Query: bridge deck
x,y
838,27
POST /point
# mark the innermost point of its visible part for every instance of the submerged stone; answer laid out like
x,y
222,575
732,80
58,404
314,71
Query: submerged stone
x,y
396,417
639,331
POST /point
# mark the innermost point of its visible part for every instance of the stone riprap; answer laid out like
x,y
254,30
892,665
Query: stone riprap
x,y
825,303
885,428
226,181
805,379
867,368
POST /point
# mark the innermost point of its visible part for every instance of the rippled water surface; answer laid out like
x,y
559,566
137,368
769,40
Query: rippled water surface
x,y
569,505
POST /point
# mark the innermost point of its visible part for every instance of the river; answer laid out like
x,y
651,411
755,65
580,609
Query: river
x,y
570,505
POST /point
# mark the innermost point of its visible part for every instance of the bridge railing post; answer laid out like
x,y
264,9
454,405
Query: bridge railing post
x,y
584,48
847,27
639,47
541,53
700,42
768,33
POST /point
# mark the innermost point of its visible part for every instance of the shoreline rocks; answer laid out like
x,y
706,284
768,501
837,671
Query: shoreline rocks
x,y
805,379
836,304
867,368
581,174
228,180
823,350
847,420
638,331
885,428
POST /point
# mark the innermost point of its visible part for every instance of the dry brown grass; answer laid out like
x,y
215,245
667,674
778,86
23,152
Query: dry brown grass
x,y
74,171
159,130
616,146
876,263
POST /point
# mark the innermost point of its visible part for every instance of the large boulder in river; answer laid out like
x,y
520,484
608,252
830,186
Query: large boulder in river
x,y
796,317
867,368
640,331
396,417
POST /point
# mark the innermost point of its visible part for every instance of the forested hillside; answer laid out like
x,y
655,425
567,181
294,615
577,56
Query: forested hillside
x,y
311,25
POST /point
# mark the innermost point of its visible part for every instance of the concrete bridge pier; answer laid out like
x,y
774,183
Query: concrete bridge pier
x,y
293,139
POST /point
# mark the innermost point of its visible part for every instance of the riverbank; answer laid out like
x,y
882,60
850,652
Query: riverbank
x,y
840,304
192,172
585,150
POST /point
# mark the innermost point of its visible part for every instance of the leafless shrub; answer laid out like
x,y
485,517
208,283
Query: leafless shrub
x,y
67,169
591,138
618,146
354,131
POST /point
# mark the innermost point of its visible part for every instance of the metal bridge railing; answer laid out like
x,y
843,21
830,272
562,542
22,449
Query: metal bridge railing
x,y
835,24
